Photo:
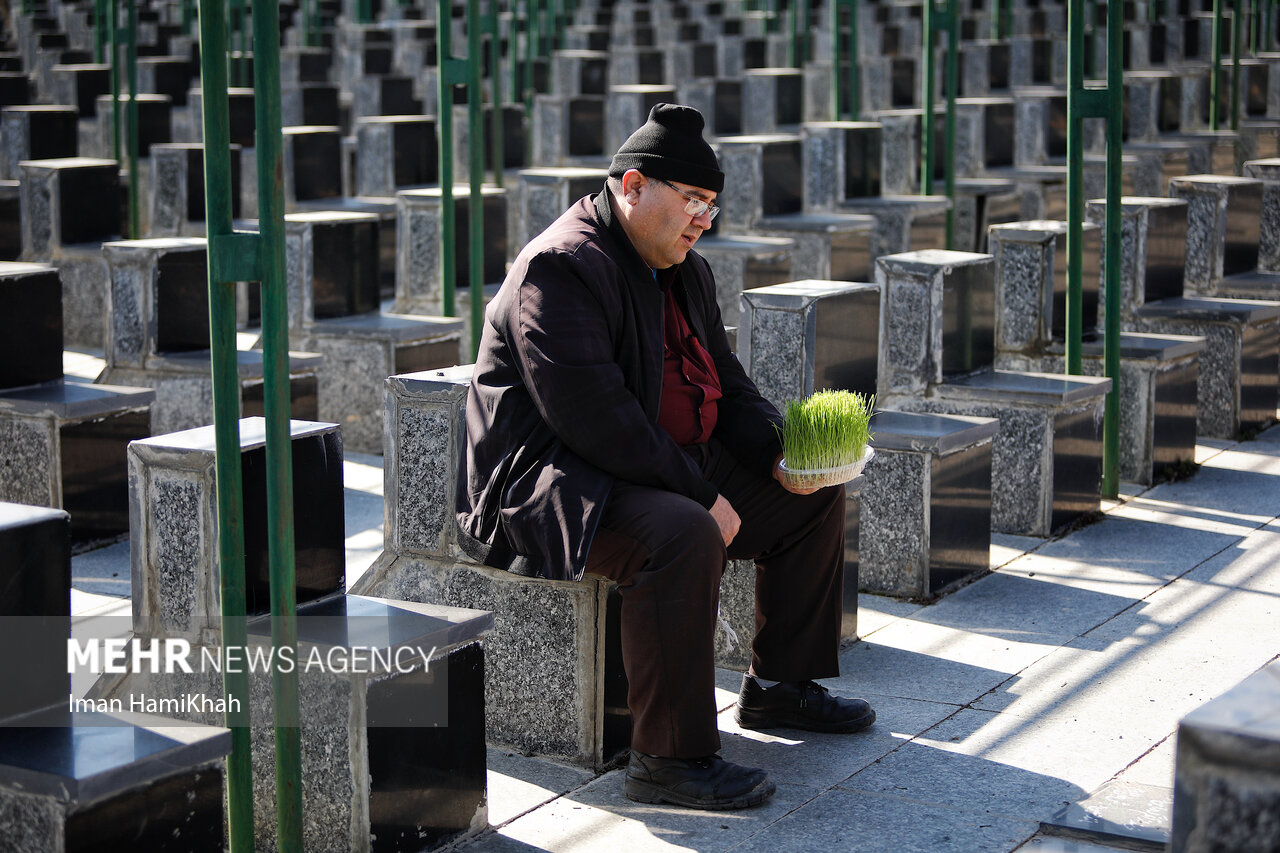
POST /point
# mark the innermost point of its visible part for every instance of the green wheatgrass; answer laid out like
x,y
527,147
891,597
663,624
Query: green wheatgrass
x,y
826,430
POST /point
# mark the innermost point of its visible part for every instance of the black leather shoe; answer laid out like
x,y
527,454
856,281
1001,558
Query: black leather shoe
x,y
799,705
699,783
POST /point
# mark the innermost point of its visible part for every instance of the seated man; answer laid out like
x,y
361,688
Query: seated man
x,y
611,430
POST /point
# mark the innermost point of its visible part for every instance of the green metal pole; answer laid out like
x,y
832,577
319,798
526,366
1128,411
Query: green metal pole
x,y
1075,186
226,412
279,452
497,143
100,30
1237,16
926,100
1255,22
1215,64
1111,330
113,29
952,86
475,210
131,68
448,70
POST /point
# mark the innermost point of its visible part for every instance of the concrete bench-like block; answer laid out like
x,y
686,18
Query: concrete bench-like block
x,y
177,188
1046,461
1223,216
777,96
803,336
1227,770
903,223
763,177
925,508
742,263
419,229
394,152
1268,171
1158,379
1236,390
828,246
36,131
627,107
568,130
1031,291
554,681
546,193
842,160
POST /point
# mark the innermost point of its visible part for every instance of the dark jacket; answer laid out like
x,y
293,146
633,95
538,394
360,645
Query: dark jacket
x,y
566,391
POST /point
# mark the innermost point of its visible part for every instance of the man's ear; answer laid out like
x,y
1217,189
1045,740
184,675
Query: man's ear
x,y
632,180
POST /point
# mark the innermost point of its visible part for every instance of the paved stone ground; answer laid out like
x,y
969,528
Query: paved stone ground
x,y
1059,676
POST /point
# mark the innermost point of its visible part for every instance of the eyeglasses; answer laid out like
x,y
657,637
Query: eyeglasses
x,y
696,206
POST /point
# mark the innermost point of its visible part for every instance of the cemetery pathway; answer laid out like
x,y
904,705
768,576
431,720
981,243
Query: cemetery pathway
x,y
1058,677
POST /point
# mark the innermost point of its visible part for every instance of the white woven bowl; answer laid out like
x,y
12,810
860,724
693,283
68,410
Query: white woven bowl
x,y
814,478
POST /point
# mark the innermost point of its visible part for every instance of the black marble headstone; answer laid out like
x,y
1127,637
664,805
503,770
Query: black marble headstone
x,y
15,88
86,84
513,140
88,223
10,221
170,75
51,131
182,302
1244,213
783,175
586,126
904,89
35,607
998,134
345,266
1091,282
1166,252
31,325
968,319
862,161
317,162
414,158
318,513
728,107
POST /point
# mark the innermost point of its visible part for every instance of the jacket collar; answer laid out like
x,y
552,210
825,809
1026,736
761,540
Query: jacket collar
x,y
612,225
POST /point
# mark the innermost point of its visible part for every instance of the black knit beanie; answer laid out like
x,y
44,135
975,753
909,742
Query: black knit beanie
x,y
670,146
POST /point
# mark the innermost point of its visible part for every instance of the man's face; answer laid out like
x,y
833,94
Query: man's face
x,y
660,229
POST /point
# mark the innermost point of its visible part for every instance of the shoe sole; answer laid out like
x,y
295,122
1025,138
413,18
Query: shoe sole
x,y
757,720
646,792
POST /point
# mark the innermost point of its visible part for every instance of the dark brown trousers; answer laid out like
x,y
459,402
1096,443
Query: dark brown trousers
x,y
667,556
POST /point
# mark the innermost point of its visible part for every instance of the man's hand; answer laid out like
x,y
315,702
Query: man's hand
x,y
726,518
777,475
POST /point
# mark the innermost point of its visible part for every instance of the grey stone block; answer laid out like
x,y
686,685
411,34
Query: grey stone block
x,y
741,263
546,193
1227,770
1223,215
1268,171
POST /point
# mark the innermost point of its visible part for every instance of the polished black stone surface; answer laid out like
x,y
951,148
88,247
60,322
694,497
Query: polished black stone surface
x,y
705,59
959,515
182,302
998,66
513,138
1077,466
586,126
303,399
1259,362
171,75
51,131
427,782
1158,43
320,104
241,116
429,355
1166,251
1244,213
95,487
10,221
1121,812
86,756
968,319
862,159
1042,61
31,325
195,179
849,592
846,341
397,96
1169,119
998,134
414,152
1056,131
88,223
345,267
937,434
495,238
87,83
155,120
317,162
1011,386
728,111
904,88
783,177
318,513
178,814
15,89
1174,429
35,607
851,257
1090,282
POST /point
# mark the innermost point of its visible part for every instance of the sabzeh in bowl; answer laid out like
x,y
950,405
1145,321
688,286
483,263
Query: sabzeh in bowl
x,y
826,438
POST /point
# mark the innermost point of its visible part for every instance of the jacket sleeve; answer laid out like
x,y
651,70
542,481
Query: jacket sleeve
x,y
560,331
